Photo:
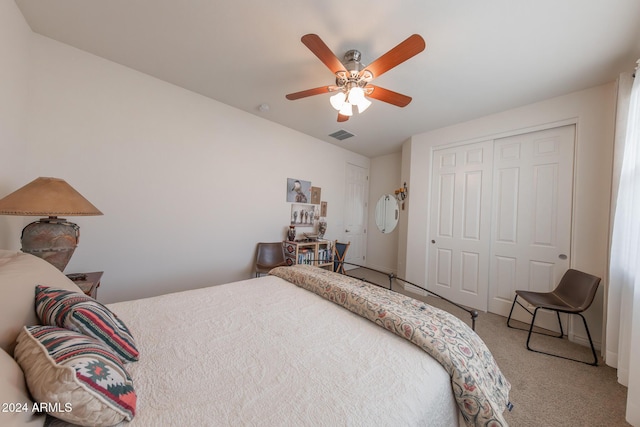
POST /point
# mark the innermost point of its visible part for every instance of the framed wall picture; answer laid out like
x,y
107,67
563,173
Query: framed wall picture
x,y
304,215
315,195
323,209
298,191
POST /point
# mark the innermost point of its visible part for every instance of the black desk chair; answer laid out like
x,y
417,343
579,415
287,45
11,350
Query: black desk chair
x,y
270,255
573,295
339,253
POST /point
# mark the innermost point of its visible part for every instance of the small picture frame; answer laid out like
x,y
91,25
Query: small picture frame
x,y
323,209
315,195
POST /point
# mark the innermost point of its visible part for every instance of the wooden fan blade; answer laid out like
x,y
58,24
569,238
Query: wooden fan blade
x,y
322,51
396,56
388,96
309,92
342,117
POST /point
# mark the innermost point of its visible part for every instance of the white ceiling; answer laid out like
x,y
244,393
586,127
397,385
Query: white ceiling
x,y
482,57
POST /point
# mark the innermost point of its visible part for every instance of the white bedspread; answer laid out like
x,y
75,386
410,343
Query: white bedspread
x,y
264,352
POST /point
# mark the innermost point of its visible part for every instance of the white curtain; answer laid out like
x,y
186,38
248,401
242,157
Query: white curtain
x,y
623,296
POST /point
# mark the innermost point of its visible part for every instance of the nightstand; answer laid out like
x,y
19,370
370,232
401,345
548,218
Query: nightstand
x,y
89,282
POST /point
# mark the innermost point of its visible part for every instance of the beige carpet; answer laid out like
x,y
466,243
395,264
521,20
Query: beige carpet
x,y
546,391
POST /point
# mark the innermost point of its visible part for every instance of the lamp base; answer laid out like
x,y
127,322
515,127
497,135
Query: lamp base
x,y
52,239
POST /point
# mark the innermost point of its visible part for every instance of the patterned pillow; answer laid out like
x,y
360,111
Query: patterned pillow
x,y
77,312
75,377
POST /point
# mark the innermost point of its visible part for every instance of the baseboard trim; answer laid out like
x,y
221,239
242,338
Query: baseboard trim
x,y
414,289
584,341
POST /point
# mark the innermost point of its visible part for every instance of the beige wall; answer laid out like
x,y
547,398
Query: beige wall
x,y
187,185
382,249
15,36
592,111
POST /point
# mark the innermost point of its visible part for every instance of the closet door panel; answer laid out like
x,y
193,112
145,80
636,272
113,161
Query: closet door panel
x,y
531,214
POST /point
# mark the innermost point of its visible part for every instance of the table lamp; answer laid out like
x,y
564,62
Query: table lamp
x,y
52,239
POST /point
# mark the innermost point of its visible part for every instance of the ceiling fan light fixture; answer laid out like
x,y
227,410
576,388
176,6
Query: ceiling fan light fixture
x,y
337,100
345,101
363,105
347,109
356,95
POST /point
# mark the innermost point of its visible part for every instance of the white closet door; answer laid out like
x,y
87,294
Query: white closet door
x,y
459,230
500,218
531,214
356,196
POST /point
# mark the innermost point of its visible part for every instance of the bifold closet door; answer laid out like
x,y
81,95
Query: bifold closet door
x,y
500,218
460,221
531,214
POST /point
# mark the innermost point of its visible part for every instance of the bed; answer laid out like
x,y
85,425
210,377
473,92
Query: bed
x,y
301,346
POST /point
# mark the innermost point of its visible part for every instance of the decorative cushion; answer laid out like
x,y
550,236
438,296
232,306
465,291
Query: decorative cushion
x,y
19,274
17,407
75,377
77,312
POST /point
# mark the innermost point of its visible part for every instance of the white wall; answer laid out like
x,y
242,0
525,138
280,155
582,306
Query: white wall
x,y
384,178
187,185
593,112
403,228
15,36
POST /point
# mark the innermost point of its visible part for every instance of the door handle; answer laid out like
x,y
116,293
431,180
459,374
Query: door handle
x,y
562,256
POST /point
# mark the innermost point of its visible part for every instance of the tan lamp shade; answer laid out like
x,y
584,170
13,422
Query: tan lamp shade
x,y
53,239
47,197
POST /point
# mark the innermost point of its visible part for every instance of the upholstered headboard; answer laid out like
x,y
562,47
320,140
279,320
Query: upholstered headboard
x,y
19,275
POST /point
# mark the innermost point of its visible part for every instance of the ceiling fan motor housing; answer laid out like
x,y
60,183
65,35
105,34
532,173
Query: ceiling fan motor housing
x,y
354,67
352,55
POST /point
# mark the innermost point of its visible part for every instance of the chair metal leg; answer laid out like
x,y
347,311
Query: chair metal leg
x,y
593,350
511,312
533,320
560,323
532,314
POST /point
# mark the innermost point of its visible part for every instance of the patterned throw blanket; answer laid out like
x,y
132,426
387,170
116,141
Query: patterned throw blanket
x,y
480,389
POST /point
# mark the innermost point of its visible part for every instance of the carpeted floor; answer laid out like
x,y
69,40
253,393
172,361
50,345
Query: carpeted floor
x,y
546,391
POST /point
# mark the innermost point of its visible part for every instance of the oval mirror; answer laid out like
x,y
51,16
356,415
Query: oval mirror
x,y
387,213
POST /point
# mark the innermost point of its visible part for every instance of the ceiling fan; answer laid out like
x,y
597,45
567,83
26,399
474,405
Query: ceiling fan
x,y
353,78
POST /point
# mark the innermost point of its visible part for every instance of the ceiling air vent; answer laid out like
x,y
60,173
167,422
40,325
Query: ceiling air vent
x,y
341,135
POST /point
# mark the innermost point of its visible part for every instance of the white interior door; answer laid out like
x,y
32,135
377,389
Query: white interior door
x,y
460,223
356,196
532,203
